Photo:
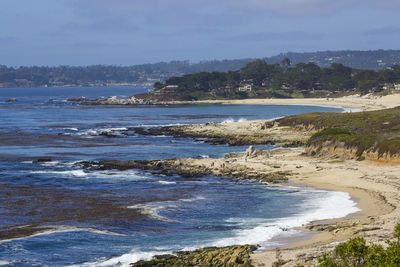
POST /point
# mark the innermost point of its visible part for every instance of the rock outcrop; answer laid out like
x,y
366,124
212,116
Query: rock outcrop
x,y
113,100
235,256
189,167
237,133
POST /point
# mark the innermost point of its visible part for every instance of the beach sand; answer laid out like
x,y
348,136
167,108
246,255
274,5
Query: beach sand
x,y
366,102
374,186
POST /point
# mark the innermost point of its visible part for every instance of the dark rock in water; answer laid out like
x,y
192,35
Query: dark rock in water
x,y
235,256
42,160
11,100
77,99
108,134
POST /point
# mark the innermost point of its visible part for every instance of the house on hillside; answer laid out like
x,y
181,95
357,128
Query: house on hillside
x,y
391,86
245,88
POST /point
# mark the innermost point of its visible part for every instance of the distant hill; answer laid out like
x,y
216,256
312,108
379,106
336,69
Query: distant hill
x,y
373,60
148,74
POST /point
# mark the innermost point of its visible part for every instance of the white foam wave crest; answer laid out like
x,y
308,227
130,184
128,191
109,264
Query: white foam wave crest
x,y
152,209
50,163
166,182
205,156
64,229
328,205
130,175
230,120
71,129
98,131
125,260
73,173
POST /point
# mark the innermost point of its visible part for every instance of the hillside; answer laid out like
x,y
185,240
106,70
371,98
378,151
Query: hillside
x,y
147,74
371,134
372,60
262,80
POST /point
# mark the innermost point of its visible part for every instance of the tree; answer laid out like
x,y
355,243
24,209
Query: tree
x,y
286,63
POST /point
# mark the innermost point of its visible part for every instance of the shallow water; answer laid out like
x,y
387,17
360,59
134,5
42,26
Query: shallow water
x,y
52,211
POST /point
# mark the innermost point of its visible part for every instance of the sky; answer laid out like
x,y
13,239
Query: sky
x,y
129,32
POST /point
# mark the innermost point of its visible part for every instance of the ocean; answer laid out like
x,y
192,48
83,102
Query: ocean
x,y
53,213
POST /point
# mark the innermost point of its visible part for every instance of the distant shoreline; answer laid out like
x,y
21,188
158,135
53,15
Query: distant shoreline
x,y
367,102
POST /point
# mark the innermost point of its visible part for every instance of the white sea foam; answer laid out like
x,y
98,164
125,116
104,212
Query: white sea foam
x,y
152,209
125,259
98,131
166,182
191,199
71,129
205,156
74,173
326,205
50,163
331,205
230,120
63,229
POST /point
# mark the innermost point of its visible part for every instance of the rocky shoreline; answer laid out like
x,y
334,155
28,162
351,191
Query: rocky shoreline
x,y
189,167
260,132
235,256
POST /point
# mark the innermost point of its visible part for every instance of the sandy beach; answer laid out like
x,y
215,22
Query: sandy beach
x,y
373,185
366,102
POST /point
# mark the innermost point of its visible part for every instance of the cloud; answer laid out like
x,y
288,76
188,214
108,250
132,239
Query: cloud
x,y
390,31
276,37
112,24
179,7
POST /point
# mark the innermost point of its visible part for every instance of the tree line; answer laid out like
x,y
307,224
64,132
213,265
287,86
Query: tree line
x,y
281,80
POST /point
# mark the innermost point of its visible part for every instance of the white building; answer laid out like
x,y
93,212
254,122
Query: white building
x,y
397,86
245,87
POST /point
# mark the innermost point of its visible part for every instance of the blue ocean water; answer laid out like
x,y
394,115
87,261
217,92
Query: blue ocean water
x,y
56,214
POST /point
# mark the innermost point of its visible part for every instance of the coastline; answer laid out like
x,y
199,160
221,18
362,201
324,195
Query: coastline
x,y
372,185
377,216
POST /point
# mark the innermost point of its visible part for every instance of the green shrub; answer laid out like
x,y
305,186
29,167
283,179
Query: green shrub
x,y
329,132
356,253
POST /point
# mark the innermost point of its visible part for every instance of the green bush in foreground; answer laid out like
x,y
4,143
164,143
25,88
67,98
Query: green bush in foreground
x,y
357,253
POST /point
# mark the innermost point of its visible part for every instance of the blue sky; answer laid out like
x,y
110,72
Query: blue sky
x,y
128,32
